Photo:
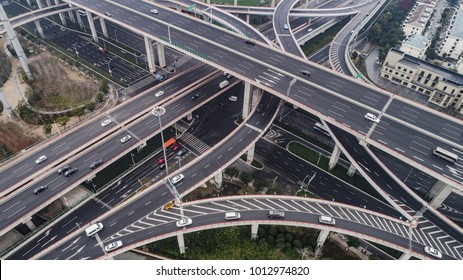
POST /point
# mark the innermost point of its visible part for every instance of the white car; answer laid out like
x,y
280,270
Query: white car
x,y
233,98
113,246
126,138
41,159
372,118
184,222
159,93
154,11
433,252
310,30
105,122
177,178
285,26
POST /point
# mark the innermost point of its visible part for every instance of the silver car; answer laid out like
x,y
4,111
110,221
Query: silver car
x,y
41,159
125,138
184,222
113,246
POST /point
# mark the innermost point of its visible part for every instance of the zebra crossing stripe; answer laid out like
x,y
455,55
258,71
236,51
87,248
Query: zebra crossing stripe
x,y
282,201
305,209
316,210
225,206
352,216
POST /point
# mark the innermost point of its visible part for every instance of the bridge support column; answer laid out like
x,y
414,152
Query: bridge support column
x,y
250,154
61,15
351,170
48,3
71,15
29,2
30,224
150,54
254,228
11,34
181,243
39,28
439,192
273,4
405,256
247,99
334,157
161,55
103,27
189,117
235,2
92,26
248,17
40,4
322,237
218,180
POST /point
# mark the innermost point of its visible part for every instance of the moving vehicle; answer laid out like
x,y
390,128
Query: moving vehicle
x,y
177,178
159,77
64,169
71,171
95,164
159,93
82,13
285,26
249,42
327,220
274,214
305,72
310,30
113,246
105,122
41,159
125,138
154,11
40,189
372,118
184,222
232,216
108,14
170,142
433,252
260,107
195,96
224,84
233,98
320,127
443,153
93,229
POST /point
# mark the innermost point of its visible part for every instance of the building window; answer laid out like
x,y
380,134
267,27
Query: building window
x,y
433,84
445,87
413,87
405,83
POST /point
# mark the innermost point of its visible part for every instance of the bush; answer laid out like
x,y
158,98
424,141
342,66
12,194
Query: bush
x,y
245,177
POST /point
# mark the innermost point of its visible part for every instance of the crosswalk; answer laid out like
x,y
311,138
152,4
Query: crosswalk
x,y
194,144
425,233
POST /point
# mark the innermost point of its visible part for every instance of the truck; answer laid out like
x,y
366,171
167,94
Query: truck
x,y
224,84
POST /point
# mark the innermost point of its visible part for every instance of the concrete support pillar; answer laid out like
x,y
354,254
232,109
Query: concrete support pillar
x,y
161,55
61,15
189,117
273,4
322,237
254,228
405,256
48,3
30,224
235,2
248,17
71,15
250,154
150,54
334,157
39,28
103,27
218,180
40,4
351,170
247,99
181,243
15,42
208,2
79,20
256,94
92,26
29,2
439,193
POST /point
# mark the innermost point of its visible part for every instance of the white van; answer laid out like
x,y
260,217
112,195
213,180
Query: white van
x,y
224,84
232,216
82,13
93,229
326,220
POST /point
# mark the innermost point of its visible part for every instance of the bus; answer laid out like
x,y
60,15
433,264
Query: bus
x,y
169,143
320,127
442,153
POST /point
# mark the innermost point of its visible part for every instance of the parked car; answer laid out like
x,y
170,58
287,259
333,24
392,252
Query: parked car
x,y
40,189
41,159
184,222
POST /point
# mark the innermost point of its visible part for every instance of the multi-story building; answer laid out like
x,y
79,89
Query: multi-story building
x,y
452,45
416,21
443,87
415,45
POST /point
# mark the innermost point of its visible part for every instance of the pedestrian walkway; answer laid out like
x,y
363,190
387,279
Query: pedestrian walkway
x,y
194,144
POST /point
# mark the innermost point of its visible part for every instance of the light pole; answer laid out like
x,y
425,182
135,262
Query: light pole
x,y
168,32
273,184
159,111
408,175
115,35
133,161
293,81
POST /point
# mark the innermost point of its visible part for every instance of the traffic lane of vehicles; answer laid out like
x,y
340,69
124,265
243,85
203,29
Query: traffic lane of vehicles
x,y
13,175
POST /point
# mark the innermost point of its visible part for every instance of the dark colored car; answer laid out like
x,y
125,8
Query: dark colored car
x,y
40,189
64,169
196,96
95,164
250,42
71,171
276,214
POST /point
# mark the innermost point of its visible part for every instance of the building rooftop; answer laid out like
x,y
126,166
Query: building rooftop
x,y
457,28
417,41
419,15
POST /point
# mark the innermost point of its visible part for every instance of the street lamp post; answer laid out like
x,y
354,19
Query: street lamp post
x,y
115,35
133,161
293,81
159,111
168,32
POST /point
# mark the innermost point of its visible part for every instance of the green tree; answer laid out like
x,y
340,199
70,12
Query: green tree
x,y
353,242
297,243
104,88
289,237
272,231
90,106
232,171
79,111
47,129
100,97
259,185
245,178
62,120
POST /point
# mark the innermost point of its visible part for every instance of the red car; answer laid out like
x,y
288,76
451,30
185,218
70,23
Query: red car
x,y
161,160
175,147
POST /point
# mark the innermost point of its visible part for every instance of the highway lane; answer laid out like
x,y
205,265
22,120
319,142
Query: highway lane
x,y
160,224
220,53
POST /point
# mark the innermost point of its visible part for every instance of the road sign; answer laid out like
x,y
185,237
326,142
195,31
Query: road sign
x,y
191,7
358,75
